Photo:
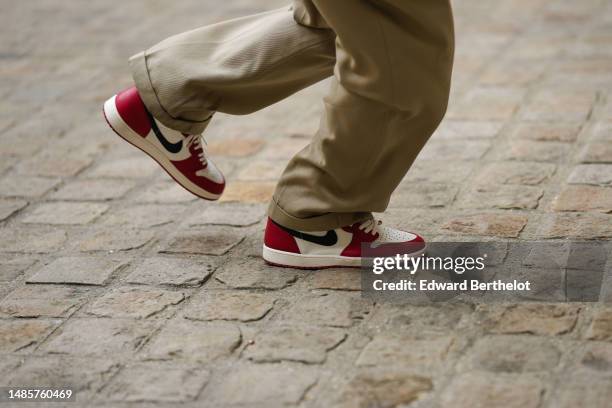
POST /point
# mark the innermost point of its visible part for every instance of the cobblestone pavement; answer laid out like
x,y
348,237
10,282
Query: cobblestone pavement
x,y
114,280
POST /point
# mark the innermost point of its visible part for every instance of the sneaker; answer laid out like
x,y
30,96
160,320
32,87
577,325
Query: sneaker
x,y
340,247
182,156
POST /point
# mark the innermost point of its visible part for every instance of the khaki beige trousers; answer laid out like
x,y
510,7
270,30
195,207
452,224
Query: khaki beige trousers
x,y
391,62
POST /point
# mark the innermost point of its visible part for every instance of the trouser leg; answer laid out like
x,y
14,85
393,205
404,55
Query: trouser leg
x,y
389,93
236,67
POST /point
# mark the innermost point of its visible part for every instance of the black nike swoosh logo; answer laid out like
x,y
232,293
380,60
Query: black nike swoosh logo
x,y
169,146
329,239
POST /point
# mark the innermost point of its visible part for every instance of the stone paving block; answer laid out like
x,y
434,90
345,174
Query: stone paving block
x,y
423,195
538,319
130,168
431,321
262,170
165,192
286,342
447,150
391,348
384,388
93,190
32,240
584,226
29,187
543,92
78,270
546,132
266,384
601,326
466,129
65,213
504,197
41,301
172,272
560,106
233,214
511,73
425,221
229,305
115,239
144,215
134,303
18,335
84,375
48,163
520,173
510,354
254,273
487,103
11,269
248,192
430,171
24,140
597,152
9,207
154,382
285,148
597,356
99,337
582,389
209,241
336,279
8,365
6,162
471,390
595,174
498,225
194,341
235,147
584,198
336,309
602,130
525,150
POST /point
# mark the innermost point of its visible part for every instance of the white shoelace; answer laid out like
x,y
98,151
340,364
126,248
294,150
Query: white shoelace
x,y
371,226
197,140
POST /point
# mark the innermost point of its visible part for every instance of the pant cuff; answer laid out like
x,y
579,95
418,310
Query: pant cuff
x,y
322,222
142,80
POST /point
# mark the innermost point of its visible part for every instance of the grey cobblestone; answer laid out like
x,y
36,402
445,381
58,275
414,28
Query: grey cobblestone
x,y
230,305
481,390
154,382
79,270
194,341
134,303
294,343
65,213
270,384
29,187
37,301
384,388
18,335
85,375
99,337
113,239
116,280
10,207
172,272
251,273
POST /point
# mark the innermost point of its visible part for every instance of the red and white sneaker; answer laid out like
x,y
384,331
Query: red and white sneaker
x,y
340,247
183,156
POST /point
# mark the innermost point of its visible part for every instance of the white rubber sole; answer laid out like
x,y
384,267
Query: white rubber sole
x,y
305,261
124,131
